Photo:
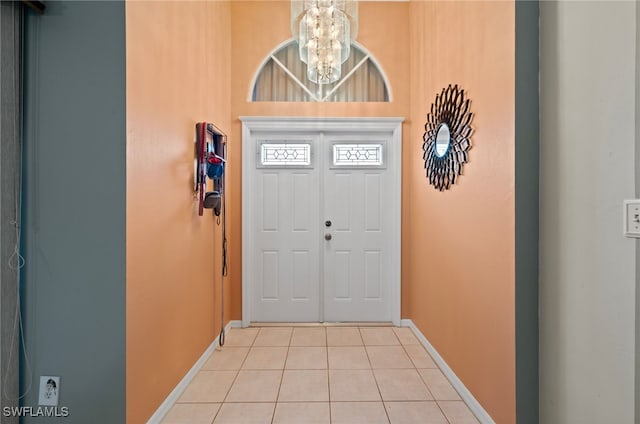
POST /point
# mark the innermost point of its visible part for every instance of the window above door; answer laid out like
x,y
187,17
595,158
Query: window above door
x,y
282,78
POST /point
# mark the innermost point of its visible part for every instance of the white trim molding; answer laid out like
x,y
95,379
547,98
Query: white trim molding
x,y
473,404
345,125
175,394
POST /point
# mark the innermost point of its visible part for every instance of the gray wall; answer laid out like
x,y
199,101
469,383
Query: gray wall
x,y
527,175
637,191
587,267
74,207
10,83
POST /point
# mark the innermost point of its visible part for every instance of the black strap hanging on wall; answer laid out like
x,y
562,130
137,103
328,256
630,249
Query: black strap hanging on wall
x,y
221,338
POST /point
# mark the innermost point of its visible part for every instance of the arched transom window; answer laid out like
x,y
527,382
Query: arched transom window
x,y
283,78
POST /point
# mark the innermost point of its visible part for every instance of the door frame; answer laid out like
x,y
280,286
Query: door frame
x,y
389,126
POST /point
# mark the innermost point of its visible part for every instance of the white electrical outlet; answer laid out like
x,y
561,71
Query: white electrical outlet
x,y
49,390
632,218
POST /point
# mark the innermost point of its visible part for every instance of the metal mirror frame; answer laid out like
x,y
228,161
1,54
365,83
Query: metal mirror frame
x,y
450,108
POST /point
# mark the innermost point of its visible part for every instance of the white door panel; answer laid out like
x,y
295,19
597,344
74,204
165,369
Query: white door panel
x,y
287,280
355,262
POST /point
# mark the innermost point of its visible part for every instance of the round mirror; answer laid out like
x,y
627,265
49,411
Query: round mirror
x,y
443,138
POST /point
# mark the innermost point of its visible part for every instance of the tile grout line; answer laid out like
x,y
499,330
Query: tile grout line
x,y
284,367
432,395
236,377
445,415
326,349
442,412
374,376
423,380
419,374
418,371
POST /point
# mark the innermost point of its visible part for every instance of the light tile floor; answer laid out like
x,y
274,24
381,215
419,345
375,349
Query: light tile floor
x,y
308,375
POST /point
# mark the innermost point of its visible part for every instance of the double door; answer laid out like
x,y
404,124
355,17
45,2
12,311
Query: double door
x,y
321,229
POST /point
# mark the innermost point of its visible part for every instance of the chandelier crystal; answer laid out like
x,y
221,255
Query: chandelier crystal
x,y
324,30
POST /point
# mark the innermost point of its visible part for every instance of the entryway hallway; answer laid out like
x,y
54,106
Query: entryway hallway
x,y
305,375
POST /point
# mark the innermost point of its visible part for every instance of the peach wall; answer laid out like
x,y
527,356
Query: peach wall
x,y
458,247
254,37
458,268
177,74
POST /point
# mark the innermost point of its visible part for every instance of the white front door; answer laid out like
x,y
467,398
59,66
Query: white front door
x,y
321,222
357,222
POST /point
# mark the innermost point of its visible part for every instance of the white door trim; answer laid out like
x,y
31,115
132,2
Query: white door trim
x,y
383,125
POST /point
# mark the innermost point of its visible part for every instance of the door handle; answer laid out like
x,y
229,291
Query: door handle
x,y
327,237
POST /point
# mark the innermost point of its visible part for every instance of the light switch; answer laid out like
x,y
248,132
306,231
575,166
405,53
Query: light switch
x,y
632,218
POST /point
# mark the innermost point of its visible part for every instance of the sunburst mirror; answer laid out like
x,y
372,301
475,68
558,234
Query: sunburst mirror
x,y
446,137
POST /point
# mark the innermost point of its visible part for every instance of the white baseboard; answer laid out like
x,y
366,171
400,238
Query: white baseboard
x,y
175,394
457,384
237,323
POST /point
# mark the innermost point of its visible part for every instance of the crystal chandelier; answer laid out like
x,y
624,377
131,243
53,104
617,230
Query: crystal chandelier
x,y
324,30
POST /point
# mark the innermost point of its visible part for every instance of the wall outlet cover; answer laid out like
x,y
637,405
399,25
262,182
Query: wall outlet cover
x,y
49,390
632,218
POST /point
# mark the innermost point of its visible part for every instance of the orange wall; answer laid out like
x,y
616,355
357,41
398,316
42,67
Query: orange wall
x,y
458,261
254,37
177,74
458,268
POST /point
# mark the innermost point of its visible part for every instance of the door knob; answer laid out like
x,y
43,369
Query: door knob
x,y
327,237
327,224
